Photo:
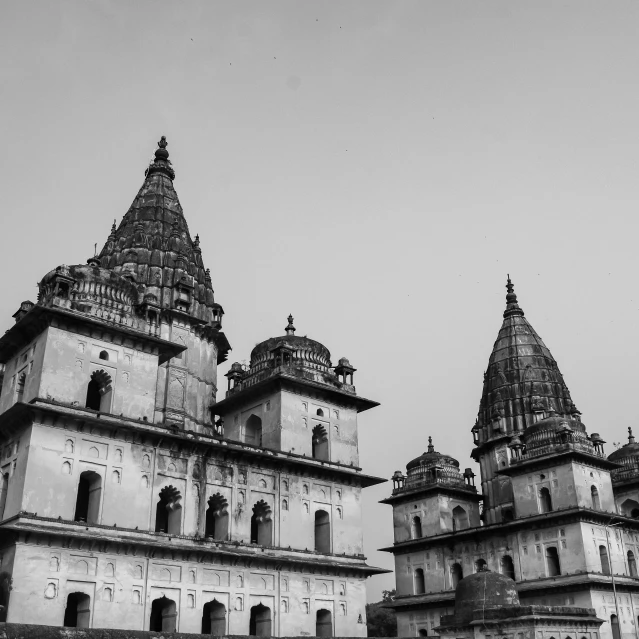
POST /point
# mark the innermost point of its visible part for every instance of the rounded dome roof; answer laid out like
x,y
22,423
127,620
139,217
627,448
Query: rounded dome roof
x,y
483,588
631,449
294,342
430,457
554,423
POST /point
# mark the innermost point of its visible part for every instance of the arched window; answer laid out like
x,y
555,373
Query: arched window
x,y
507,567
22,379
456,574
322,532
253,431
262,525
545,501
603,557
217,518
480,564
319,446
87,503
104,355
4,488
630,508
320,412
594,495
420,584
323,623
460,518
99,392
632,564
614,624
78,611
168,512
552,561
507,514
163,615
214,618
416,527
260,623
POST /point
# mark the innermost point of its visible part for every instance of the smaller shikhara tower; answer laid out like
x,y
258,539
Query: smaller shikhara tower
x,y
559,517
122,503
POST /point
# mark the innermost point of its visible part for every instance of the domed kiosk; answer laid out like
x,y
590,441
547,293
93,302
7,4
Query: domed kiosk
x,y
487,603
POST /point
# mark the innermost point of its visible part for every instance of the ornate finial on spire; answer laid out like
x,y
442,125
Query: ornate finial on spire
x,y
196,242
113,229
207,275
631,439
512,307
290,329
431,448
161,164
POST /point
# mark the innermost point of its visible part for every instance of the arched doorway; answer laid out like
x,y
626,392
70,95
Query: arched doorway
x,y
262,524
460,518
4,489
87,503
456,574
632,564
545,501
163,615
214,618
603,557
594,496
480,564
77,614
323,623
253,431
260,622
319,446
420,584
322,532
99,391
507,567
614,624
416,527
217,518
552,561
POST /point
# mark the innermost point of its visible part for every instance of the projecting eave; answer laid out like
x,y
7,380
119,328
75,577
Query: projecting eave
x,y
469,494
41,317
279,381
20,413
557,456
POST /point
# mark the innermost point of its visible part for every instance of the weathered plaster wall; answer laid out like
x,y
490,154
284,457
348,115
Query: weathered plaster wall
x,y
122,589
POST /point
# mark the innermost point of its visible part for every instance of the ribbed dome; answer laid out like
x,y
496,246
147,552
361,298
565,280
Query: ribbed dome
x,y
154,244
554,423
94,285
430,458
522,377
627,451
307,351
483,589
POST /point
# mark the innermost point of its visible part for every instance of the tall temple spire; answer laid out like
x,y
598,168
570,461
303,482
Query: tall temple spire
x,y
152,245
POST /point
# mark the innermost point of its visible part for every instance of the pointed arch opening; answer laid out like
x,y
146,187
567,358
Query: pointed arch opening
x,y
20,384
480,564
260,622
456,574
460,518
87,503
416,527
322,531
217,518
594,498
614,625
507,567
630,508
545,500
253,431
420,583
77,613
168,511
319,446
262,524
323,623
604,559
632,564
163,615
214,618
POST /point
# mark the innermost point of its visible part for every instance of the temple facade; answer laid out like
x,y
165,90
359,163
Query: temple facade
x,y
554,513
131,497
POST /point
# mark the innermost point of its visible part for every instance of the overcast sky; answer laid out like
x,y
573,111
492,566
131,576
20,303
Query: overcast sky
x,y
374,168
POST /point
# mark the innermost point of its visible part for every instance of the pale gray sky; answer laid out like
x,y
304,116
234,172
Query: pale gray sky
x,y
374,168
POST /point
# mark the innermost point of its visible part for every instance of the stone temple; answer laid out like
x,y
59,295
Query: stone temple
x,y
555,514
129,498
